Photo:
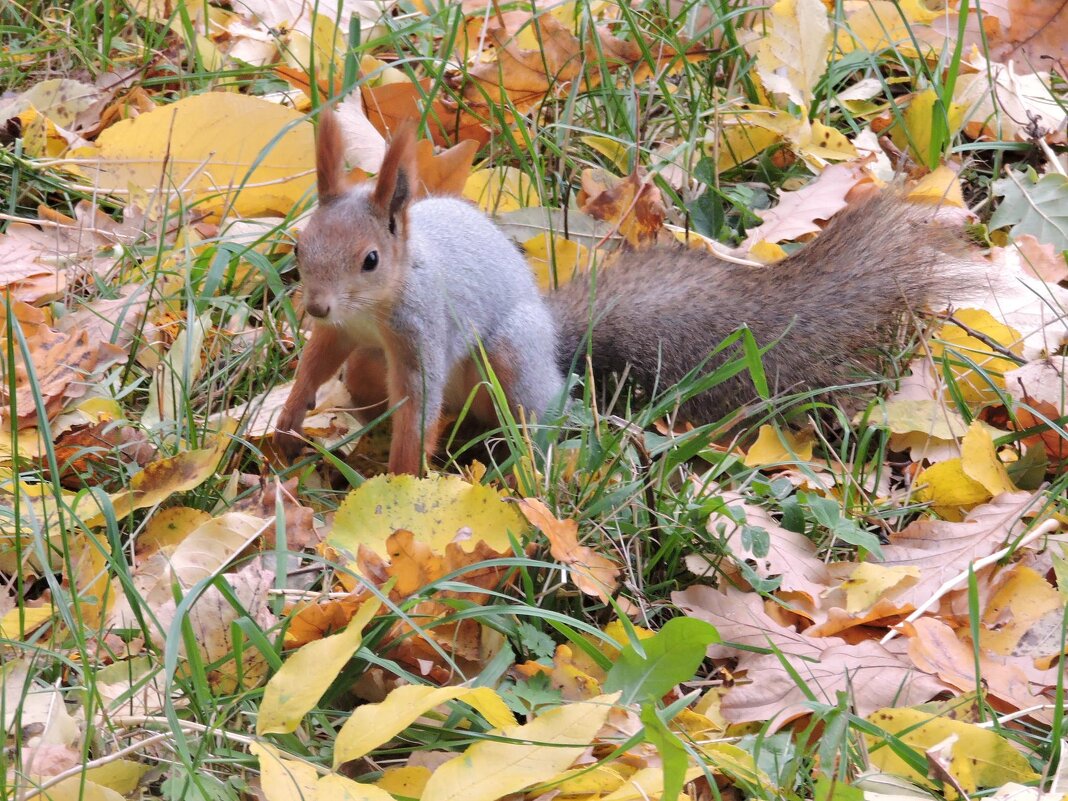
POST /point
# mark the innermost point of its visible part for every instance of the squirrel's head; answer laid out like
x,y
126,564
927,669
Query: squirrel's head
x,y
353,254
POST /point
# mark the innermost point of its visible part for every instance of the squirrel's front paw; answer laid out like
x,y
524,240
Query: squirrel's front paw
x,y
288,439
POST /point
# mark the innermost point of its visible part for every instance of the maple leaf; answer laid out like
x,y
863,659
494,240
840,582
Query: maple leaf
x,y
633,204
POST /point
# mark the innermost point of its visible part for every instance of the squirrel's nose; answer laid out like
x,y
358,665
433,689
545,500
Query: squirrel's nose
x,y
318,308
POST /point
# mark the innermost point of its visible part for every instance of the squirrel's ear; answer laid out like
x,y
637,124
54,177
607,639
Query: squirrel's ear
x,y
396,179
329,158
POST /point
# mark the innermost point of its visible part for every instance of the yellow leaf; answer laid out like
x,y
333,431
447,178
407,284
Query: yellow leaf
x,y
164,477
283,779
220,148
611,149
962,349
76,788
339,788
437,510
918,130
881,25
738,143
371,725
940,187
1019,607
949,489
767,252
20,621
168,527
122,775
980,461
550,255
500,189
775,447
980,758
647,783
818,144
304,677
869,582
539,750
407,781
792,57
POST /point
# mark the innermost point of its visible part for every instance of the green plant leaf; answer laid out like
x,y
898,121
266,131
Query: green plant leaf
x,y
671,655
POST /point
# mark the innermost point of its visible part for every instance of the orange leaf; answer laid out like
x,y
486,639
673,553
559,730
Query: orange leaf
x,y
632,203
592,573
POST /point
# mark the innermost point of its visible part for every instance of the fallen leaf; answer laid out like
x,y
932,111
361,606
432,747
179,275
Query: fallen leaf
x,y
439,511
372,725
520,756
592,573
633,204
792,56
873,675
980,758
227,152
307,673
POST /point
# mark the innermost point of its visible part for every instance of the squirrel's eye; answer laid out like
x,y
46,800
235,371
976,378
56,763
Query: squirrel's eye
x,y
296,250
370,261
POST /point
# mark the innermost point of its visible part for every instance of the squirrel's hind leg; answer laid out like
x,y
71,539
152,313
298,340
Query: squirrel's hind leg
x,y
522,352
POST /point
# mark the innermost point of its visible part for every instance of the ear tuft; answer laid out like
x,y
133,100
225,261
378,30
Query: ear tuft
x,y
396,179
329,158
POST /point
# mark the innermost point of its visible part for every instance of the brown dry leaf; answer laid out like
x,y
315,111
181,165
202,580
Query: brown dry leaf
x,y
210,618
873,675
592,573
88,455
633,204
1041,259
114,320
444,173
942,550
268,501
389,105
65,365
414,565
1034,36
935,648
790,556
1043,380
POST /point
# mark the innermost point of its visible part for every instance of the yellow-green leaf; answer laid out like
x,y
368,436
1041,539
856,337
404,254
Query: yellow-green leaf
x,y
980,758
981,463
437,510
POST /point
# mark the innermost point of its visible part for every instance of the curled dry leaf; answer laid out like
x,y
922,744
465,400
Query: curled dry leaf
x,y
632,204
592,573
64,365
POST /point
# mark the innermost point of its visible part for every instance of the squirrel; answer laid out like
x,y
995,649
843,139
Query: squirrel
x,y
405,291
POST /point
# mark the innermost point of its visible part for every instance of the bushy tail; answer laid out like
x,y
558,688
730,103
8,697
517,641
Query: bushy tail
x,y
829,309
